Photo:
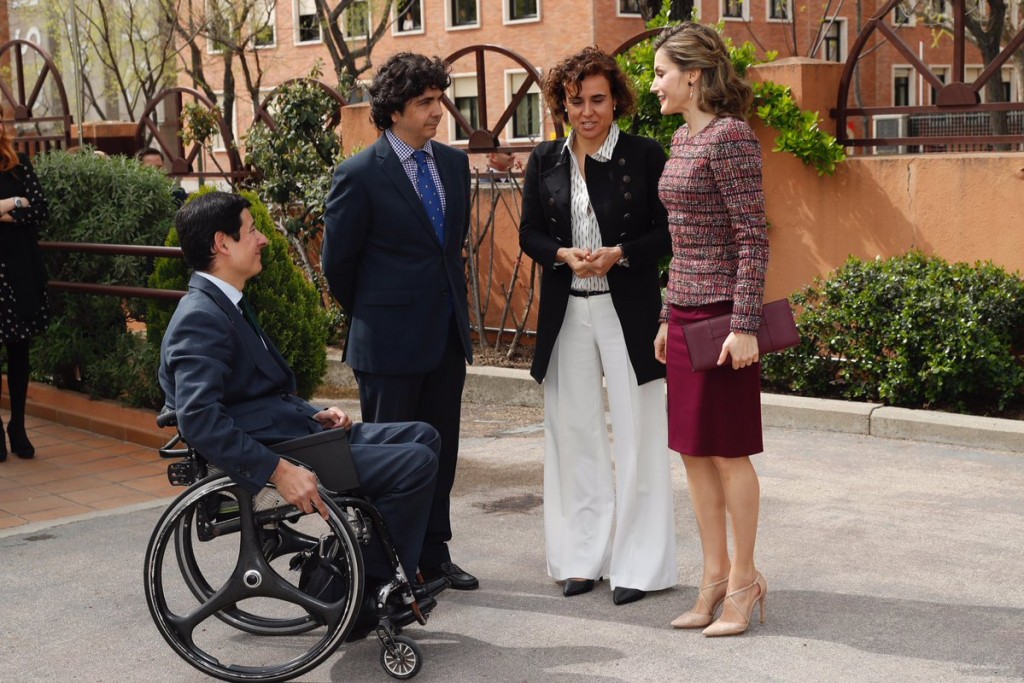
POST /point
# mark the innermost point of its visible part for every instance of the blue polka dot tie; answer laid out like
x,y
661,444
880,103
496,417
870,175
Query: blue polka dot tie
x,y
428,194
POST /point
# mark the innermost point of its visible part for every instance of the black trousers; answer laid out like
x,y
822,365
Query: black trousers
x,y
434,397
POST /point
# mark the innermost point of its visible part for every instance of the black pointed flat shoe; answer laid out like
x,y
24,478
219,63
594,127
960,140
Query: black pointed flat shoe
x,y
624,596
577,587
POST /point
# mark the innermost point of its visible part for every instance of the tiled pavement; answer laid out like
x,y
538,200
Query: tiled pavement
x,y
77,472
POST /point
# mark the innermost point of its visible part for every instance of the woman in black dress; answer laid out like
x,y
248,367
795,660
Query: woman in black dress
x,y
22,281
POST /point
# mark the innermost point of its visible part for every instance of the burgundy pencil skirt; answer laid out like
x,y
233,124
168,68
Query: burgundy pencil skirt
x,y
715,412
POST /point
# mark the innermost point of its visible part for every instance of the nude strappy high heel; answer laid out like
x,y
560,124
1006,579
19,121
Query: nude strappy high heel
x,y
710,602
727,628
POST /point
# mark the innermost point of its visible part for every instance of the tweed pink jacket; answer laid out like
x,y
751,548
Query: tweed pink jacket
x,y
712,189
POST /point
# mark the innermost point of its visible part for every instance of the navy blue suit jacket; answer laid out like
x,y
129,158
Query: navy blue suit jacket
x,y
232,394
386,266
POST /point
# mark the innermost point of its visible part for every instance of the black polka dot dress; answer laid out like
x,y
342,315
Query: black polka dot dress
x,y
23,311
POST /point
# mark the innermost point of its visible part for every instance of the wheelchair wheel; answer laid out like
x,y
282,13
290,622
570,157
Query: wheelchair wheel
x,y
245,590
283,540
403,659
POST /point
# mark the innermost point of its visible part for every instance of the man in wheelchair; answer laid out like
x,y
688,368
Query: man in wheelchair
x,y
234,396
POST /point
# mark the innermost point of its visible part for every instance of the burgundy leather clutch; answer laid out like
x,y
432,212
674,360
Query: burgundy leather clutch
x,y
704,338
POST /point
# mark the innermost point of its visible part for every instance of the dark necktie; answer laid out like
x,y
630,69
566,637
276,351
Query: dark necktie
x,y
428,194
250,317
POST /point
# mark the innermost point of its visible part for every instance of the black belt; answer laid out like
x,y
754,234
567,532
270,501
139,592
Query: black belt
x,y
582,293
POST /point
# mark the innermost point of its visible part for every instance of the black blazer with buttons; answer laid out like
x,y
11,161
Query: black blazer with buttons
x,y
624,195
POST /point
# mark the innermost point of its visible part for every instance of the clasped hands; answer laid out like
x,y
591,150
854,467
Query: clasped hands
x,y
586,263
297,485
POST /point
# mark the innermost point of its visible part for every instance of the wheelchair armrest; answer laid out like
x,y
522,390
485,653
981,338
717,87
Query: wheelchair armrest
x,y
328,454
168,418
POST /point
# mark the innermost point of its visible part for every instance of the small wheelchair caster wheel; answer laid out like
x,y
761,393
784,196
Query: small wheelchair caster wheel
x,y
402,660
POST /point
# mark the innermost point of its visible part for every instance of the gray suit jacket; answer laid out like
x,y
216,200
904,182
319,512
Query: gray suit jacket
x,y
386,266
232,394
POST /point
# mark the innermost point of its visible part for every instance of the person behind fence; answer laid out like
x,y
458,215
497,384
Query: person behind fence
x,y
235,394
592,219
712,190
151,156
396,221
23,310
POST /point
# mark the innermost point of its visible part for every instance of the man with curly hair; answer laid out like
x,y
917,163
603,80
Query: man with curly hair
x,y
396,221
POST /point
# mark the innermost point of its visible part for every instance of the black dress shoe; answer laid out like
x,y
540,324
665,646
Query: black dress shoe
x,y
577,587
460,580
623,596
20,444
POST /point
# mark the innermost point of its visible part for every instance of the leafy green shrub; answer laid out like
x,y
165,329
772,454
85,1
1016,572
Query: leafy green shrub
x,y
112,200
287,304
799,133
911,331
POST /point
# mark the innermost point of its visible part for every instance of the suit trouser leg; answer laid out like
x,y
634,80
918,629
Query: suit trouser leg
x,y
578,495
397,468
433,397
644,546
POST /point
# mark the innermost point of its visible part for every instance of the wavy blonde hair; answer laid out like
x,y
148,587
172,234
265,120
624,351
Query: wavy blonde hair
x,y
8,157
695,46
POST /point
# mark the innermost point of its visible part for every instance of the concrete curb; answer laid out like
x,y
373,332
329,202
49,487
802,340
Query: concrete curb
x,y
508,386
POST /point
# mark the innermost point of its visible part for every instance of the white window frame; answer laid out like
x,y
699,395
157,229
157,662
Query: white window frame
x,y
744,10
217,145
772,20
510,90
909,7
452,127
271,14
509,21
944,70
972,71
448,19
210,49
396,28
369,21
620,13
296,27
844,41
910,73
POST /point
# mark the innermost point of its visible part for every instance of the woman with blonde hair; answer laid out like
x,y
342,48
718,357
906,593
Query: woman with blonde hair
x,y
23,279
712,190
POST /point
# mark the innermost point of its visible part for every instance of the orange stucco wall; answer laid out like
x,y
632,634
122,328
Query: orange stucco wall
x,y
962,207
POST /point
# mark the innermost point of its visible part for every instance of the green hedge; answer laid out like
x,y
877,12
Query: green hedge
x,y
112,200
912,331
287,303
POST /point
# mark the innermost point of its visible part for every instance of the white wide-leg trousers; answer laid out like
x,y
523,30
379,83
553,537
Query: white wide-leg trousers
x,y
581,503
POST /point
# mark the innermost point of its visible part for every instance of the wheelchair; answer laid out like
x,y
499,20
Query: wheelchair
x,y
235,582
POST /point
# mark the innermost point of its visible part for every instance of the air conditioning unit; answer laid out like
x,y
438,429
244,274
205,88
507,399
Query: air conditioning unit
x,y
889,126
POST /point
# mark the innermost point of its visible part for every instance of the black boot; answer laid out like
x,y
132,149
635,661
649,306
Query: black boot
x,y
17,382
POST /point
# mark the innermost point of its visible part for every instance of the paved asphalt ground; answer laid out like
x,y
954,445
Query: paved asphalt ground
x,y
886,560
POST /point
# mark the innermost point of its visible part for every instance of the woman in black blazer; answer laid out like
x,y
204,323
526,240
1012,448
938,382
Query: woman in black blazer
x,y
23,312
592,219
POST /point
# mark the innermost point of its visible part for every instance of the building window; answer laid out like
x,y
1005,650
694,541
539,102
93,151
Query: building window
x,y
629,8
307,24
833,45
902,93
526,119
522,10
735,9
463,13
779,10
356,20
942,73
971,74
408,16
903,14
264,23
467,103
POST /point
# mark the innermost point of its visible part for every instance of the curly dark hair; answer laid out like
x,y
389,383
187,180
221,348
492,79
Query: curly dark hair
x,y
565,79
404,76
